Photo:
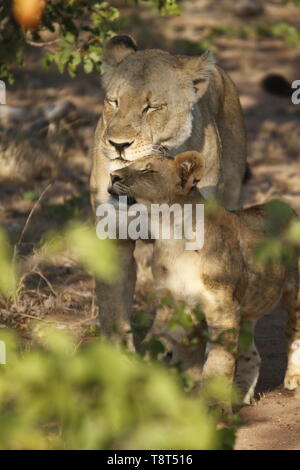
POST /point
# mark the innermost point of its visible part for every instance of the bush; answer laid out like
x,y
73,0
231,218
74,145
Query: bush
x,y
97,397
59,396
81,27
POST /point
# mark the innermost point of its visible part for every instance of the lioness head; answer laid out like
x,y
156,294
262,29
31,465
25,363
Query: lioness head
x,y
149,98
157,179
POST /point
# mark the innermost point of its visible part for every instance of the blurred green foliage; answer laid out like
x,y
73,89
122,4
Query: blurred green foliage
x,y
31,195
83,27
99,257
295,2
57,396
282,243
69,209
286,32
79,241
61,395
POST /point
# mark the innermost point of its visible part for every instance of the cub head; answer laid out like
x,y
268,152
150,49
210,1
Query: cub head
x,y
157,179
149,98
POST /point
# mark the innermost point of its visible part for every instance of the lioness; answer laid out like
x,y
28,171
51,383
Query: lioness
x,y
223,277
159,103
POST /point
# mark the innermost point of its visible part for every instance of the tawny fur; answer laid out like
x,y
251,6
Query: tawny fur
x,y
223,277
159,103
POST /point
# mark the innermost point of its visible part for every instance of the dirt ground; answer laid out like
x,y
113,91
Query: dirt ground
x,y
63,294
273,422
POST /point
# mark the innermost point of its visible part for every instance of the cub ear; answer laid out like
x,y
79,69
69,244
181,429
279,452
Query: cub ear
x,y
199,69
117,49
190,168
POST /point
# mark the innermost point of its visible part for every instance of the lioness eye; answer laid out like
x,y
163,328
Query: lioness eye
x,y
150,108
112,102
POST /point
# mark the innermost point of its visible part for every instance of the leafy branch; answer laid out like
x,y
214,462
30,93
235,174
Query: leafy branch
x,y
79,30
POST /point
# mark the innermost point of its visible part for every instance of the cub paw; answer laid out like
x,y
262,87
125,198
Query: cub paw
x,y
291,382
292,376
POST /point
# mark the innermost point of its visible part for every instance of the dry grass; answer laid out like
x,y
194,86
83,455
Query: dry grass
x,y
39,194
23,159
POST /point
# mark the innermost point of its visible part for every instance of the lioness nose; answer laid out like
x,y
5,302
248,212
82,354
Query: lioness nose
x,y
120,146
114,178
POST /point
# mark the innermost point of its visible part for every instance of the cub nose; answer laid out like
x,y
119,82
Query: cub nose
x,y
114,178
120,146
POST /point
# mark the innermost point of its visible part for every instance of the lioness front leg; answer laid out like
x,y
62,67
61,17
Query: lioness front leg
x,y
115,299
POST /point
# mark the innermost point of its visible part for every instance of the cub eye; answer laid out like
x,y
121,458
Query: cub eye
x,y
148,169
113,103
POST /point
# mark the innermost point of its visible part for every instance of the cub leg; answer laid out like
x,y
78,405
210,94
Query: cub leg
x,y
291,301
247,370
222,349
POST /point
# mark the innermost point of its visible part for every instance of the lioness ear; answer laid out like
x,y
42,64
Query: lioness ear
x,y
199,69
117,49
190,168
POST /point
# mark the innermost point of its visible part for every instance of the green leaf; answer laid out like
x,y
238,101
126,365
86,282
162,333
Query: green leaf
x,y
76,58
31,195
293,232
181,318
88,65
154,347
98,256
245,336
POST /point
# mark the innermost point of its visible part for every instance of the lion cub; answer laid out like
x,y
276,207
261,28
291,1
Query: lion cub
x,y
222,277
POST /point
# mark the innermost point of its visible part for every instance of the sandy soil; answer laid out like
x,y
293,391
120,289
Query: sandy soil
x,y
273,422
274,157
